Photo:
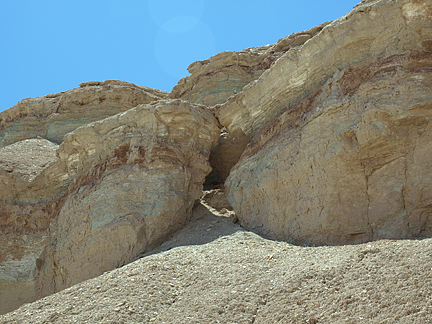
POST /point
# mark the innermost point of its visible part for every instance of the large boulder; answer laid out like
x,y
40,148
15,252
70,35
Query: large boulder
x,y
55,115
118,187
341,140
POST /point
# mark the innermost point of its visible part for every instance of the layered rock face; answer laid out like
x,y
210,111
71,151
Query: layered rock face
x,y
118,187
55,115
214,80
325,138
139,174
341,133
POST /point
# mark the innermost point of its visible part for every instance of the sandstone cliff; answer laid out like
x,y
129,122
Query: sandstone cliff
x,y
341,136
55,115
118,187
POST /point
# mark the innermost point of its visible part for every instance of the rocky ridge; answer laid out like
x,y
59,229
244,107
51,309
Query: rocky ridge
x,y
55,115
214,80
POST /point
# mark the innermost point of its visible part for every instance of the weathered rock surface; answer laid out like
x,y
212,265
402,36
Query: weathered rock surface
x,y
23,225
338,143
55,115
119,186
341,149
214,80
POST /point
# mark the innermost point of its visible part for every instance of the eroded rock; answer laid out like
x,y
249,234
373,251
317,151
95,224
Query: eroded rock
x,y
23,226
214,80
119,186
341,149
55,115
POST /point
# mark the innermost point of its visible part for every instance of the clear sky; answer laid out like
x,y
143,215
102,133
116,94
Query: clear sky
x,y
48,46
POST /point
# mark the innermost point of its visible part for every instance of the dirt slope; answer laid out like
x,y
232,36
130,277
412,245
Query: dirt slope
x,y
213,271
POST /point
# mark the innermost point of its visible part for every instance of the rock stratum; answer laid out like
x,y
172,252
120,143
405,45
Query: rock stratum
x,y
214,80
323,138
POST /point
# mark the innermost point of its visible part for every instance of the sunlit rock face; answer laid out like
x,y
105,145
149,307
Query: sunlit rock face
x,y
340,129
214,80
24,223
115,188
53,116
325,138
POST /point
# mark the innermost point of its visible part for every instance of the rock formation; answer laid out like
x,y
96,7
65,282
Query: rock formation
x,y
214,80
325,138
24,221
119,186
53,116
341,133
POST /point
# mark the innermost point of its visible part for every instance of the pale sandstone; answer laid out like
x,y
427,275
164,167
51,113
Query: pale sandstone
x,y
23,227
340,153
225,74
376,30
119,186
55,115
348,159
214,80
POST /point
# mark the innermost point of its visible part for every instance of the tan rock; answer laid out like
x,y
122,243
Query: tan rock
x,y
55,115
369,31
214,80
348,157
217,202
119,186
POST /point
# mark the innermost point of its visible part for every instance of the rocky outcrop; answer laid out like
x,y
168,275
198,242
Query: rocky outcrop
x,y
119,186
214,80
53,116
341,133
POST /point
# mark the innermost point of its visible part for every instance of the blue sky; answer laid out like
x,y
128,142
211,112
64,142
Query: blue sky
x,y
52,46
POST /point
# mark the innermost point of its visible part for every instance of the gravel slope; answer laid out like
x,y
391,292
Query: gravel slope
x,y
213,271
